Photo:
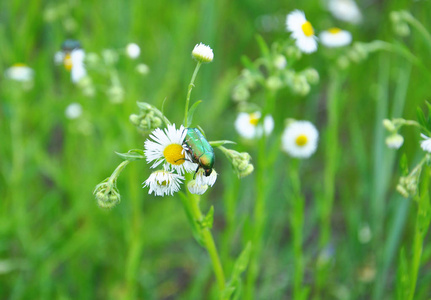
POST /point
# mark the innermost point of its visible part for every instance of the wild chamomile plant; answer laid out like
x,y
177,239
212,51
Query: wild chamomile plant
x,y
413,184
182,160
268,75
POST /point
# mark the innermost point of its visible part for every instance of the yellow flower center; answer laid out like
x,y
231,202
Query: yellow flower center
x,y
334,30
307,29
254,118
68,62
174,154
19,65
301,140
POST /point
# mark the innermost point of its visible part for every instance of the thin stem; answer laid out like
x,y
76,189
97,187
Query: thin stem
x,y
418,25
118,170
189,92
191,206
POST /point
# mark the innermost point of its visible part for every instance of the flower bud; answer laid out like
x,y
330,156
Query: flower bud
x,y
311,75
107,194
195,188
280,62
274,83
394,141
203,53
142,69
389,125
240,162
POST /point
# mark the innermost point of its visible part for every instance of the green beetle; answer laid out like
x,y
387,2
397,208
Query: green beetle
x,y
200,150
69,45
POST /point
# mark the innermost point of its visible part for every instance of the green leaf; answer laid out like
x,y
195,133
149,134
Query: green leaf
x,y
248,63
241,263
220,143
421,117
192,111
134,154
262,45
207,221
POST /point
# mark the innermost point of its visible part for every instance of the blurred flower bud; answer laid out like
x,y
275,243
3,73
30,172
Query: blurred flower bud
x,y
280,62
92,59
394,141
300,85
274,83
109,56
116,94
240,162
389,125
196,188
293,52
107,194
343,62
142,69
311,75
240,93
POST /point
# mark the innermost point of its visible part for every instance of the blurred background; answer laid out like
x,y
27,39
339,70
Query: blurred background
x,y
55,241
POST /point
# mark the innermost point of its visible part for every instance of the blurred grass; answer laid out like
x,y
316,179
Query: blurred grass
x,y
55,243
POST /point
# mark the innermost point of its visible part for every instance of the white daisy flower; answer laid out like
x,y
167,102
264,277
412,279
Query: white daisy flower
x,y
247,125
163,182
203,53
20,72
345,10
76,65
394,141
335,37
302,31
133,50
73,111
426,144
167,148
299,139
201,179
196,188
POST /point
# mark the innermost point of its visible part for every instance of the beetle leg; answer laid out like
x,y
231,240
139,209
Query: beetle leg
x,y
194,175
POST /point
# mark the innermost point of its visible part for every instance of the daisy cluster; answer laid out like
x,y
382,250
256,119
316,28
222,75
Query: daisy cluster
x,y
305,39
167,149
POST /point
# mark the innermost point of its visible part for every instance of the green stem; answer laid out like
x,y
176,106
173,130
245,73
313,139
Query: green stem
x,y
191,206
419,27
118,170
296,217
189,92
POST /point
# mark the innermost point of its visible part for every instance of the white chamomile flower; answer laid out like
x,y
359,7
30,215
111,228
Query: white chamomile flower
x,y
133,50
426,143
247,125
196,188
20,72
73,111
345,10
167,148
203,53
163,182
335,37
302,31
201,179
299,139
78,70
394,141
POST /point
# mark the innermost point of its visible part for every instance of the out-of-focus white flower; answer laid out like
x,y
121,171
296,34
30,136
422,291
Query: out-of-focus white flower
x,y
345,10
73,111
203,53
133,50
78,70
335,37
426,143
394,141
302,31
20,72
163,182
247,125
300,139
167,147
